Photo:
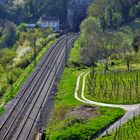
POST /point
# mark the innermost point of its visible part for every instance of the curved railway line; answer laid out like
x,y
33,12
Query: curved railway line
x,y
20,121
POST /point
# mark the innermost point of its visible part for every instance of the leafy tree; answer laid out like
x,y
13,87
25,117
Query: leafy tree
x,y
106,44
9,35
128,57
6,56
136,43
112,13
88,29
127,51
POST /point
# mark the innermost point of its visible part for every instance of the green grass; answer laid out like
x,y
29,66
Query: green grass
x,y
129,131
12,91
75,56
71,127
123,67
118,87
65,95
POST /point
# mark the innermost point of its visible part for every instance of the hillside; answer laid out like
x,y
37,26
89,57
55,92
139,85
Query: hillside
x,y
106,58
30,10
100,86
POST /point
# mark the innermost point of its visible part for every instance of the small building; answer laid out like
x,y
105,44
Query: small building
x,y
49,22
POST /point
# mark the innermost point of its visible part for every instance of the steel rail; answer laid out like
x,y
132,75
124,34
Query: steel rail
x,y
28,85
5,134
26,98
37,109
30,82
49,90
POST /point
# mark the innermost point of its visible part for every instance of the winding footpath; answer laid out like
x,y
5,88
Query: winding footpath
x,y
131,110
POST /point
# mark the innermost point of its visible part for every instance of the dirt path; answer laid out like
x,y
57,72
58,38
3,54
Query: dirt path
x,y
131,110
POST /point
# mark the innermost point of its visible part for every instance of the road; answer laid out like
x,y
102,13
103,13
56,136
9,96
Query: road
x,y
131,110
34,103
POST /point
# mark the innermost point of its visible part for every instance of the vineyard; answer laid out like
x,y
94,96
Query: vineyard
x,y
129,131
117,87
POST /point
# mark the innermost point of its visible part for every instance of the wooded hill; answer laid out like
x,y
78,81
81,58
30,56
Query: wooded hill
x,y
104,32
30,10
113,13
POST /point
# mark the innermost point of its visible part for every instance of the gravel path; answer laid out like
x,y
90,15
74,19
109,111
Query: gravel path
x,y
131,110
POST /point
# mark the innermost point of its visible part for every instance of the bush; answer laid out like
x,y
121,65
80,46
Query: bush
x,y
6,56
24,62
13,75
3,90
1,110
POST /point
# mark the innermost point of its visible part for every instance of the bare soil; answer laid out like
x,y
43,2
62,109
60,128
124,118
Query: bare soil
x,y
84,111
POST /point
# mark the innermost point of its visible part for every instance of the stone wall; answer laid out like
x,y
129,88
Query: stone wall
x,y
77,10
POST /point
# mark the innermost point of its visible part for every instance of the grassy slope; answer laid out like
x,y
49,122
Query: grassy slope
x,y
64,102
74,59
71,127
11,92
128,31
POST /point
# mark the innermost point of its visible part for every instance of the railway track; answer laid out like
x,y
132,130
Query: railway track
x,y
21,119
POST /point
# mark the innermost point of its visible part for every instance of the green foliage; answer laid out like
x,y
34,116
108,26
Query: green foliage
x,y
1,110
31,10
136,42
75,58
24,62
83,130
98,41
6,56
120,87
73,127
17,60
14,74
11,91
128,131
9,35
56,8
115,12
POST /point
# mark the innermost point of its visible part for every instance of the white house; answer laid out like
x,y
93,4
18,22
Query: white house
x,y
49,22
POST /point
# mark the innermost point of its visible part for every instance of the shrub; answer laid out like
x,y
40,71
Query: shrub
x,y
25,61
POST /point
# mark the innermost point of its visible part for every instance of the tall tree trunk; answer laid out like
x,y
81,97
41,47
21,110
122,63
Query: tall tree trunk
x,y
106,67
128,66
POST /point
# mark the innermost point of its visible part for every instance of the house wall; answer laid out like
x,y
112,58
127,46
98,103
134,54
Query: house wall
x,y
50,24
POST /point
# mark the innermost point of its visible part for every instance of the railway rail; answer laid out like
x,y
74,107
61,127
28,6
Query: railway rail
x,y
20,121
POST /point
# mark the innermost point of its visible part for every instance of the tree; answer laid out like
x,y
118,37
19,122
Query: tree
x,y
136,42
1,70
9,35
106,43
126,51
112,13
103,24
128,57
96,43
6,56
89,28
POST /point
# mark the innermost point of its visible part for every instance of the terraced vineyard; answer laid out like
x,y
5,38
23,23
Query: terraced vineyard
x,y
117,87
